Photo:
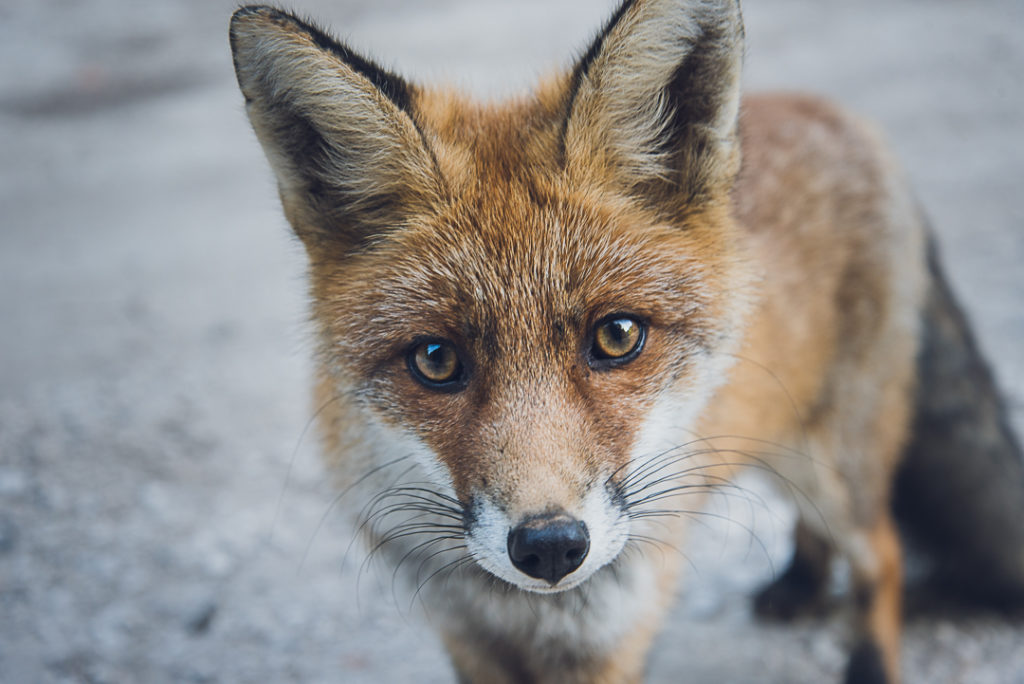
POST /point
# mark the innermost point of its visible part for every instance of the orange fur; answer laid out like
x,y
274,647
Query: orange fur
x,y
780,300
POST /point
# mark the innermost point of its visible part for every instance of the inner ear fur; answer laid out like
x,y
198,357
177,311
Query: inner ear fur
x,y
338,130
653,104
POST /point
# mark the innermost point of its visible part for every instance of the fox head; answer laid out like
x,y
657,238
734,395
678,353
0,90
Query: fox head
x,y
540,294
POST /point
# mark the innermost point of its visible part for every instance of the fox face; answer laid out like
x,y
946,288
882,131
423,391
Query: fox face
x,y
527,367
539,296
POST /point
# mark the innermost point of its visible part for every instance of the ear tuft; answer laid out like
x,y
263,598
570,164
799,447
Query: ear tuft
x,y
338,129
391,85
654,101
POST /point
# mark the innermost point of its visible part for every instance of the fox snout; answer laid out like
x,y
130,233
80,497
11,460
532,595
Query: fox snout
x,y
548,546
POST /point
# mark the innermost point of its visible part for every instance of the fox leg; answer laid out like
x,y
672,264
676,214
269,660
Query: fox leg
x,y
799,589
877,570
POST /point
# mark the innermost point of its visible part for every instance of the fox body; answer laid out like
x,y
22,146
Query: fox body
x,y
548,326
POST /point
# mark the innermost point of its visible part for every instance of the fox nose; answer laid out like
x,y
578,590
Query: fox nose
x,y
549,547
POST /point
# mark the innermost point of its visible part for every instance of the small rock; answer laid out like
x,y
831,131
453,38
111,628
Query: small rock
x,y
201,619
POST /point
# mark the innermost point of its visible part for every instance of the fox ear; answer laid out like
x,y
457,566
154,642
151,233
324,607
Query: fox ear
x,y
337,129
654,101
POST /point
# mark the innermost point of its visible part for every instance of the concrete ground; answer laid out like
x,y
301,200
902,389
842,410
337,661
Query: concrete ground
x,y
163,516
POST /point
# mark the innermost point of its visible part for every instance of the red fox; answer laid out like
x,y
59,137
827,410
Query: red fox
x,y
548,326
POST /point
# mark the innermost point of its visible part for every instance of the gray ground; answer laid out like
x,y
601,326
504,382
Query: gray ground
x,y
163,518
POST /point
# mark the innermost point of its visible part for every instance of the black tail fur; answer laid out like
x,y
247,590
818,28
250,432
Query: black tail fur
x,y
960,490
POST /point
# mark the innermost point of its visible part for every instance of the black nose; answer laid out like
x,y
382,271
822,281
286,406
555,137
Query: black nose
x,y
548,547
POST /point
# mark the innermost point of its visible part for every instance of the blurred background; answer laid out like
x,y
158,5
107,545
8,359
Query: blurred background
x,y
163,515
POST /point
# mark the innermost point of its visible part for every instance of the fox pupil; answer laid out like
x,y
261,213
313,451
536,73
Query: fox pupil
x,y
435,363
617,338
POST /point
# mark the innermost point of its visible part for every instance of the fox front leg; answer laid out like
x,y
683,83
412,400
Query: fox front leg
x,y
877,584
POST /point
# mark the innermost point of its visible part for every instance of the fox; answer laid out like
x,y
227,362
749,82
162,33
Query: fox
x,y
549,326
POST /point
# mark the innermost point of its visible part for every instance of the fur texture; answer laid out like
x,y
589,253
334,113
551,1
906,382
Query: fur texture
x,y
781,303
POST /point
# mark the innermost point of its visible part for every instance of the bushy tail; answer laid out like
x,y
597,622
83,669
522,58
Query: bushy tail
x,y
960,491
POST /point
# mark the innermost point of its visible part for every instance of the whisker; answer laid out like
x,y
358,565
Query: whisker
x,y
337,499
419,548
675,475
726,491
650,461
785,390
711,514
660,546
411,506
422,545
291,462
451,567
412,495
368,508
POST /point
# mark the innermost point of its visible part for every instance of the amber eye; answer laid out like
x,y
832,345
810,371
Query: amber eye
x,y
617,338
436,364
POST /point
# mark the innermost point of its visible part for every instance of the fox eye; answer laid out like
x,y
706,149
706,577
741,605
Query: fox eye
x,y
617,339
436,364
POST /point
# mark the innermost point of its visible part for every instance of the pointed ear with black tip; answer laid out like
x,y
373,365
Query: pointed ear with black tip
x,y
350,162
654,102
